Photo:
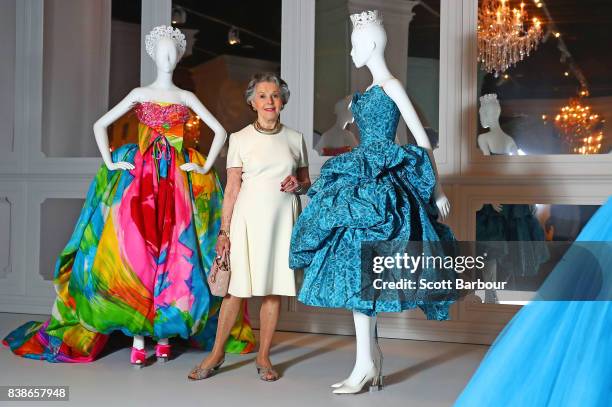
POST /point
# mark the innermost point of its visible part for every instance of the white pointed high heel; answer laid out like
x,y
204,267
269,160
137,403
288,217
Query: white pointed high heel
x,y
373,374
378,362
337,385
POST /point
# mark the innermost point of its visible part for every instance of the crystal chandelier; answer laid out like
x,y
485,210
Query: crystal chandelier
x,y
580,128
503,36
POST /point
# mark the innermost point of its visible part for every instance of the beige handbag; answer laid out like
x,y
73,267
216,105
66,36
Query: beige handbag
x,y
219,276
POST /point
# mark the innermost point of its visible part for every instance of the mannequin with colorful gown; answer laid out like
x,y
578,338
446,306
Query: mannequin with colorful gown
x,y
138,257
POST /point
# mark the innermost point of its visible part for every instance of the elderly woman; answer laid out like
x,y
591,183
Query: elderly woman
x,y
267,167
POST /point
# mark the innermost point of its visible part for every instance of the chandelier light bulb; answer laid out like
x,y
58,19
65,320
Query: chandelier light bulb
x,y
580,130
179,15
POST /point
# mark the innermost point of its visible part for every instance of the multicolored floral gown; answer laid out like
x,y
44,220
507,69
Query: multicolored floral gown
x,y
138,257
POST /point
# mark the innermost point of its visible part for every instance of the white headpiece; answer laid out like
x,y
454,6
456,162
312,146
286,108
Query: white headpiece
x,y
165,31
366,18
489,97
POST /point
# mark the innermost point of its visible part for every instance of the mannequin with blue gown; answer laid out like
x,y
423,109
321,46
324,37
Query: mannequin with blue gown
x,y
377,192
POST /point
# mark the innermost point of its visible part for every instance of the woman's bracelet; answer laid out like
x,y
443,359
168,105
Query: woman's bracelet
x,y
301,189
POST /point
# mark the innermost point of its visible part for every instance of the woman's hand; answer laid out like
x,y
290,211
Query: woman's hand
x,y
121,165
188,167
223,245
290,184
442,202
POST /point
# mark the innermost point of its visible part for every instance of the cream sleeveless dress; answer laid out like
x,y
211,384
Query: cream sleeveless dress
x,y
263,217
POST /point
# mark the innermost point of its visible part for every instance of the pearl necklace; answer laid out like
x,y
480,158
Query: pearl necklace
x,y
277,128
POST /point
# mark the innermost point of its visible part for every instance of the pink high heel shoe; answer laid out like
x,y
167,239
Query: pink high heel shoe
x,y
138,357
162,352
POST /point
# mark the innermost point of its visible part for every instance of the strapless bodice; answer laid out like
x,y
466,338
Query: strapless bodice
x,y
376,115
161,116
161,123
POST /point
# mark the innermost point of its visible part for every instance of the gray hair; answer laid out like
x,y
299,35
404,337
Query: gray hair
x,y
249,94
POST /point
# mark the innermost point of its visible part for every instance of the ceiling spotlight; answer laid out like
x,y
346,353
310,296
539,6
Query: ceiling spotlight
x,y
233,36
179,15
557,34
566,73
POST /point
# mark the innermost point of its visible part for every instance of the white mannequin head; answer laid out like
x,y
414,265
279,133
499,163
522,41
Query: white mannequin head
x,y
490,110
166,55
166,45
368,38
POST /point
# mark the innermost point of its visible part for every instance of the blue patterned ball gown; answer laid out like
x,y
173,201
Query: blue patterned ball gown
x,y
557,353
379,191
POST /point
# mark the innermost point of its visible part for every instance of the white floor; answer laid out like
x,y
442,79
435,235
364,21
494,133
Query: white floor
x,y
417,373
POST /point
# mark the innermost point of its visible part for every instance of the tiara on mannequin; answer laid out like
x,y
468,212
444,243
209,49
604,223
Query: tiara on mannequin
x,y
165,31
366,18
489,97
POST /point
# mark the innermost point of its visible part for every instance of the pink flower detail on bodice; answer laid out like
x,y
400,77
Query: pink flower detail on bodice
x,y
161,116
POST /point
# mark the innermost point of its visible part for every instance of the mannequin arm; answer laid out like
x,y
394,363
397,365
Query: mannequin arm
x,y
194,103
350,120
101,135
396,91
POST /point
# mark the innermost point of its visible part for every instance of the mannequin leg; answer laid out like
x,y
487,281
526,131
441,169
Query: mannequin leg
x,y
162,350
375,352
139,342
490,275
365,368
364,360
138,355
